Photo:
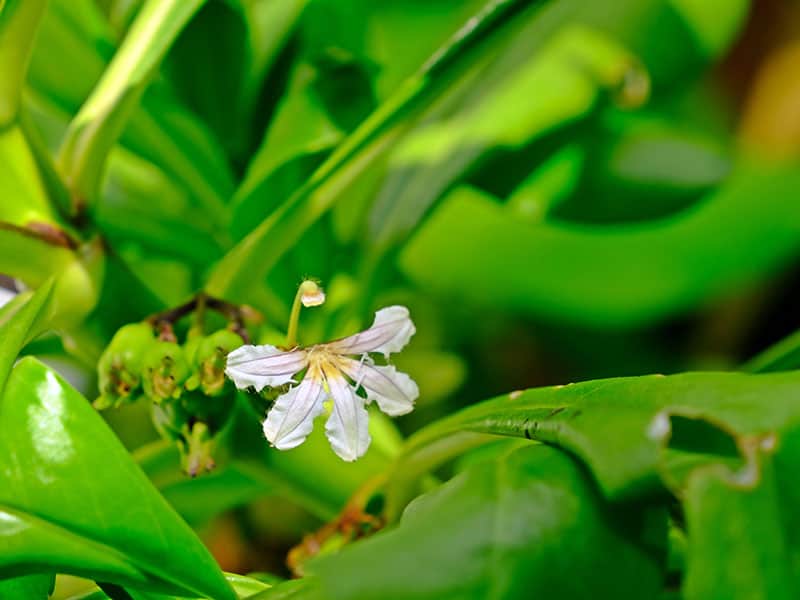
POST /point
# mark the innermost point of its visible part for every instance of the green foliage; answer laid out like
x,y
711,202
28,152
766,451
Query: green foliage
x,y
520,524
558,191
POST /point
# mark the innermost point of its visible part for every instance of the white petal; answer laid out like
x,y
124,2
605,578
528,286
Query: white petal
x,y
291,419
347,426
389,333
261,366
394,391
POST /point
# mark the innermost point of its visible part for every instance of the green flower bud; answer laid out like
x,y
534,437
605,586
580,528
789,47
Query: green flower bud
x,y
119,370
210,360
165,370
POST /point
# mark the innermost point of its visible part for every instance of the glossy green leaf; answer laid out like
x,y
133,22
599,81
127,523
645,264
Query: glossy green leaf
x,y
617,427
610,276
27,587
528,524
739,541
73,501
99,123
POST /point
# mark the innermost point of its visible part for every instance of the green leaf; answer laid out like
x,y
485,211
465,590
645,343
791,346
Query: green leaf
x,y
738,525
714,29
28,587
24,198
295,589
529,524
88,510
200,499
99,123
245,588
609,276
246,265
19,21
72,53
562,81
21,320
783,355
617,427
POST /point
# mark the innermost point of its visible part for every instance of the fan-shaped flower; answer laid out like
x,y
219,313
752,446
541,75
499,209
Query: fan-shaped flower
x,y
330,371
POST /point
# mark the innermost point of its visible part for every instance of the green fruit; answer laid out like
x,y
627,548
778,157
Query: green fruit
x,y
119,370
165,370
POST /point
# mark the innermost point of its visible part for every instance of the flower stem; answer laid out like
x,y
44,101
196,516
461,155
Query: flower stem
x,y
294,319
308,294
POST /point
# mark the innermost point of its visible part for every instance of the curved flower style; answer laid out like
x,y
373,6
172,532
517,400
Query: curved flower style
x,y
331,372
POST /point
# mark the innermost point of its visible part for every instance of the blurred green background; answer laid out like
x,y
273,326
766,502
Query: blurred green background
x,y
578,190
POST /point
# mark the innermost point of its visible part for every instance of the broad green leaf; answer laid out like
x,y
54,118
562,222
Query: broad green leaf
x,y
19,21
27,587
528,524
103,116
87,510
610,276
739,540
617,427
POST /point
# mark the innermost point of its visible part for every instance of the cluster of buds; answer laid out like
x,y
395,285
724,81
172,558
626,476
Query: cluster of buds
x,y
191,399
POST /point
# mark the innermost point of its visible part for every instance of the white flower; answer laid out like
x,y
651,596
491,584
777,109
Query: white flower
x,y
330,371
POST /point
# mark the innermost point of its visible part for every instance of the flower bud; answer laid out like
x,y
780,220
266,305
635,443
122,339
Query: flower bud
x,y
209,360
119,370
165,370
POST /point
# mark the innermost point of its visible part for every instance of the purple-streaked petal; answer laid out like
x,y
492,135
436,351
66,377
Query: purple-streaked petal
x,y
291,419
389,333
346,428
393,390
262,366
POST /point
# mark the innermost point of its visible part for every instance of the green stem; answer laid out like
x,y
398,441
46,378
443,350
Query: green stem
x,y
294,319
421,458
